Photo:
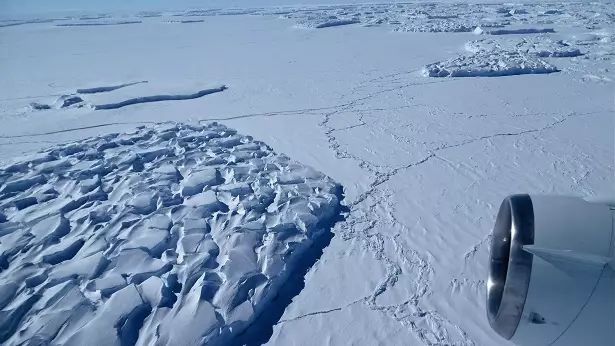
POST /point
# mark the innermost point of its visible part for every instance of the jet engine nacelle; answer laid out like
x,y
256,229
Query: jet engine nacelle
x,y
551,278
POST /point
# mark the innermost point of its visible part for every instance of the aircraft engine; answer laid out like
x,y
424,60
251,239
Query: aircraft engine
x,y
551,276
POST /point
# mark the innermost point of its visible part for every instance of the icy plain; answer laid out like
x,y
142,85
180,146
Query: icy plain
x,y
133,212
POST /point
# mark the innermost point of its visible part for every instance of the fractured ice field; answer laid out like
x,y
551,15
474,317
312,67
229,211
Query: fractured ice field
x,y
427,114
172,234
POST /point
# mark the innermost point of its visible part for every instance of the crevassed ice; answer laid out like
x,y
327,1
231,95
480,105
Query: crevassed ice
x,y
173,234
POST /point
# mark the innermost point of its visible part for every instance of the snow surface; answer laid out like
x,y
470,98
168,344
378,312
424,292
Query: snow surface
x,y
423,162
173,234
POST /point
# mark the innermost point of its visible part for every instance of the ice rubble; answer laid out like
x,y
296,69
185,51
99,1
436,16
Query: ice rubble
x,y
325,22
540,46
447,17
503,57
489,64
494,18
173,234
489,57
519,31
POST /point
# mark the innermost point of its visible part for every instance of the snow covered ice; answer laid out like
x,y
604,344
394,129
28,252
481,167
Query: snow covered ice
x,y
289,175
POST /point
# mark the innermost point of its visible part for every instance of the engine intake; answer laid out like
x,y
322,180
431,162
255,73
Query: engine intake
x,y
551,271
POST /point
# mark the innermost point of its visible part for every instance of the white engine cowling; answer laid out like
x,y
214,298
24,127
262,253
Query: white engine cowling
x,y
551,278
